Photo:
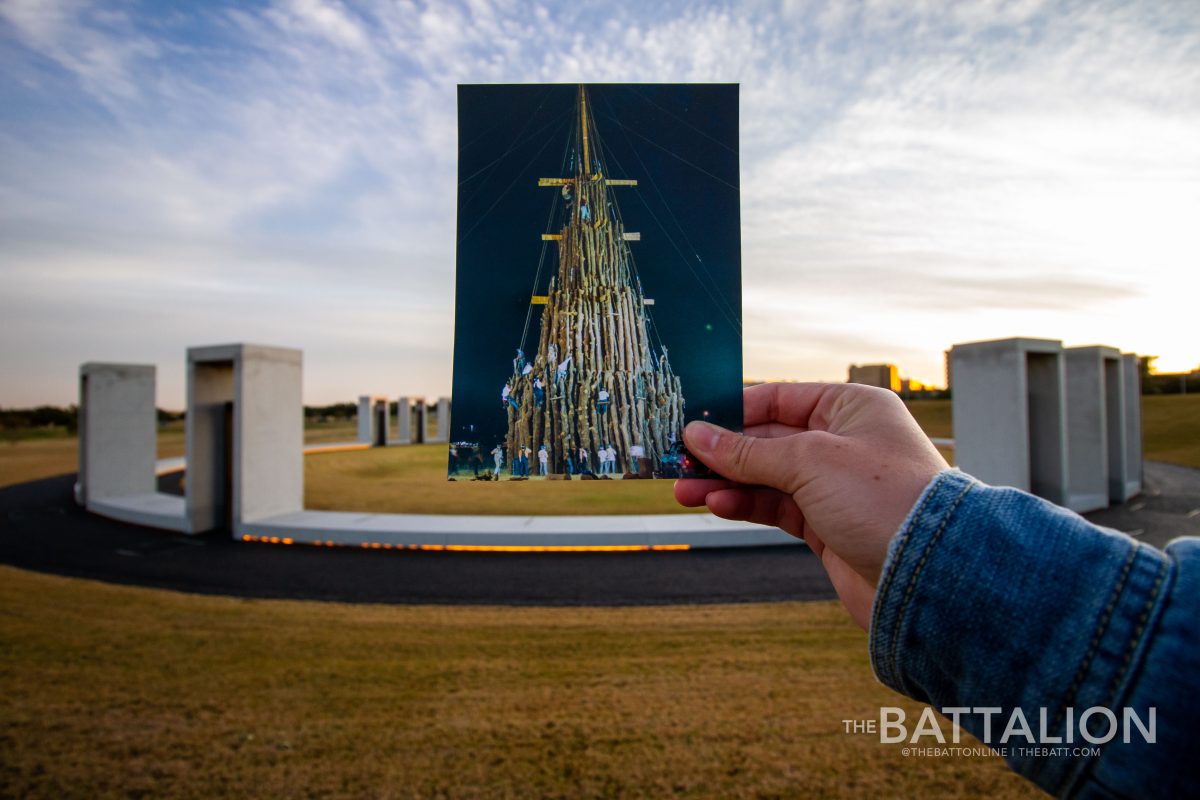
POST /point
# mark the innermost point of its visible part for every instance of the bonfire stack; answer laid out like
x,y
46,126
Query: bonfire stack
x,y
595,321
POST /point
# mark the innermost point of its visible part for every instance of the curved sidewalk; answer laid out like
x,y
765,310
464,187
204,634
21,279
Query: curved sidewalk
x,y
458,531
42,529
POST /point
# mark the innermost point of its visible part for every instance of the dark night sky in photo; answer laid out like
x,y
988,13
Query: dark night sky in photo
x,y
680,142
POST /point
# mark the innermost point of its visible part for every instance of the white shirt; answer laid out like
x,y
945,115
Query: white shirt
x,y
637,451
603,394
542,456
528,369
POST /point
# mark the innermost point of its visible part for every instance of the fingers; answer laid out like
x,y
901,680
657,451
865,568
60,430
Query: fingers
x,y
691,492
771,430
757,504
788,403
729,500
741,458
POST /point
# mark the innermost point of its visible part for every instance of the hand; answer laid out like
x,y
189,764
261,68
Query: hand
x,y
838,465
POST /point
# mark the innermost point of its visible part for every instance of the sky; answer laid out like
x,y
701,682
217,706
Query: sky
x,y
913,174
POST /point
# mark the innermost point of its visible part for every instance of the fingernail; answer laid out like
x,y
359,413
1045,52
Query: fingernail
x,y
702,436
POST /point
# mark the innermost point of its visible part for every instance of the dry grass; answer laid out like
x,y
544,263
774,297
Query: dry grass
x,y
121,692
933,416
30,458
1171,428
330,432
413,480
33,459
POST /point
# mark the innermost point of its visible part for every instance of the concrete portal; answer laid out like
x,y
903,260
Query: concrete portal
x,y
1126,480
245,470
245,435
442,420
404,420
1009,411
373,427
1095,426
117,431
411,415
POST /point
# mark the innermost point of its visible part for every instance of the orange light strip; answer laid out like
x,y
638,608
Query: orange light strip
x,y
342,448
479,548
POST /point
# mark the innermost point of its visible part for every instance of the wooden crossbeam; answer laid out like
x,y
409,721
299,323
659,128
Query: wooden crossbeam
x,y
632,236
538,300
565,181
552,237
646,301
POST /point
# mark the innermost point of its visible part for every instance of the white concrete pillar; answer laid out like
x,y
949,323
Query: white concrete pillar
x,y
417,419
245,435
373,427
1095,437
1010,414
379,422
364,419
442,420
404,421
1127,482
420,426
117,431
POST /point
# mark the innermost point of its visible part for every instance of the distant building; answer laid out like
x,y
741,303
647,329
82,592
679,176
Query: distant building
x,y
885,376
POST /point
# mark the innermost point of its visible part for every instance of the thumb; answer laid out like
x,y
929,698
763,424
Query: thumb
x,y
741,458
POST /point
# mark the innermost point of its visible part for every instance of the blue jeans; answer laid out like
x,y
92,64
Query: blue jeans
x,y
993,598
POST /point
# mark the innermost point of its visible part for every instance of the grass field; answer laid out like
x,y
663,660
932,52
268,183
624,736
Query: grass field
x,y
1171,428
412,479
1170,425
933,416
122,692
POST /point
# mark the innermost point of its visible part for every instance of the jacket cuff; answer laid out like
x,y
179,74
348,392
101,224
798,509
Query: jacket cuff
x,y
907,556
993,598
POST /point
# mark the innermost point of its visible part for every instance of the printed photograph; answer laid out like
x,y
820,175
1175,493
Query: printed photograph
x,y
598,288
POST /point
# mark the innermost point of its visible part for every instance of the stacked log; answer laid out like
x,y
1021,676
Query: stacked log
x,y
595,314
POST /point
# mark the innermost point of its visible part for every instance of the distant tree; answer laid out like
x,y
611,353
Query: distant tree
x,y
335,411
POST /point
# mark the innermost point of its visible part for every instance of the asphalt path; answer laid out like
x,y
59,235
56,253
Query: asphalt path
x,y
42,529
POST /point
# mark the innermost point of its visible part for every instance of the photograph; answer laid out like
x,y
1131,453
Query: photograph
x,y
598,283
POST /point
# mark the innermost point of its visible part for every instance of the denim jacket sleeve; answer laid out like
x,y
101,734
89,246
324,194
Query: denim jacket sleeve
x,y
991,598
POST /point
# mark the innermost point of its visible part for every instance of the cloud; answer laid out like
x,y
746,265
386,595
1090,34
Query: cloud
x,y
985,166
328,19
